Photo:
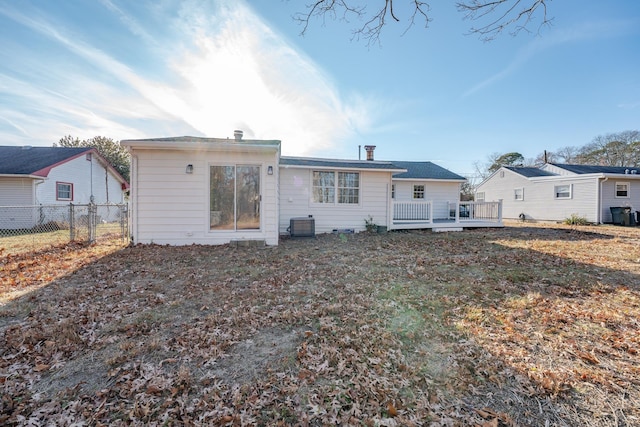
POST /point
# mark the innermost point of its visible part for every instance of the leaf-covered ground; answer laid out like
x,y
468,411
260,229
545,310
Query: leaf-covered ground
x,y
527,325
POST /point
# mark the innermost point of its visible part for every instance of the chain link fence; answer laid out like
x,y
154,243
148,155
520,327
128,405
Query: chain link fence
x,y
27,228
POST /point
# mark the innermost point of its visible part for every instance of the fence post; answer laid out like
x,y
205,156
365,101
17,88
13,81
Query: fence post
x,y
72,225
92,213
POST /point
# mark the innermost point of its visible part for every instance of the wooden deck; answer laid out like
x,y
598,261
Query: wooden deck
x,y
419,215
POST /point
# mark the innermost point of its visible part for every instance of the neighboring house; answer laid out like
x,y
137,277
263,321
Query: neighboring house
x,y
554,192
56,176
213,191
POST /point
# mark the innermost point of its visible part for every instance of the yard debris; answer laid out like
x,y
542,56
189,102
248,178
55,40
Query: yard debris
x,y
527,325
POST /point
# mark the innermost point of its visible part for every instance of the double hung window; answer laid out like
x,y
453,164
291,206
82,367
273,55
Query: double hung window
x,y
336,187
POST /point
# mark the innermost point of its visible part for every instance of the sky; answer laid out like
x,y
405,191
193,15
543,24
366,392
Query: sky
x,y
158,68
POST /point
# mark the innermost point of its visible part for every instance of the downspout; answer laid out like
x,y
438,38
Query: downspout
x,y
388,222
35,190
134,208
599,218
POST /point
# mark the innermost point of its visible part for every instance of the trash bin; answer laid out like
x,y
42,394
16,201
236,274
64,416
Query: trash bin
x,y
628,218
616,215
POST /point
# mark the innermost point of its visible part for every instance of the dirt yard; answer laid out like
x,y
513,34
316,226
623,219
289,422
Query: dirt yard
x,y
528,325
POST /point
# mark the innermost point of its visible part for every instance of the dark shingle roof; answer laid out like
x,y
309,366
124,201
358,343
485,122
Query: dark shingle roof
x,y
27,160
424,170
583,169
529,172
331,163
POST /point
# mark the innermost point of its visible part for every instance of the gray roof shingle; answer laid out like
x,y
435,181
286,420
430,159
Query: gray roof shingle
x,y
529,172
27,160
425,170
584,169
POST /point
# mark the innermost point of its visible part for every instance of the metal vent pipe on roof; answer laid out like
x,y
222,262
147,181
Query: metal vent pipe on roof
x,y
237,134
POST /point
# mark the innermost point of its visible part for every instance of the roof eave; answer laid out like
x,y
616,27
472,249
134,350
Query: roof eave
x,y
431,179
204,145
21,175
346,168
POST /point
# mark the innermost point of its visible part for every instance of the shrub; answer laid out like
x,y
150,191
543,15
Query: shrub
x,y
370,225
576,219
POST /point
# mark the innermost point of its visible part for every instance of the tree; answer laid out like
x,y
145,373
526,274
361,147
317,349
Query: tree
x,y
111,150
467,190
494,16
507,159
614,149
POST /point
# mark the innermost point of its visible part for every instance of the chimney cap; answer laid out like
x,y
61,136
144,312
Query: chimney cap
x,y
237,134
369,149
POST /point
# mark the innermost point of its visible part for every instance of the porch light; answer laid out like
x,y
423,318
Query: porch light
x,y
189,169
269,170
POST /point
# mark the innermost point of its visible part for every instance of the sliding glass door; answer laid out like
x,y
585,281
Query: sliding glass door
x,y
234,197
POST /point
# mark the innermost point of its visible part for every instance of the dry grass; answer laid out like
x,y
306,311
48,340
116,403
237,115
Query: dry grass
x,y
527,325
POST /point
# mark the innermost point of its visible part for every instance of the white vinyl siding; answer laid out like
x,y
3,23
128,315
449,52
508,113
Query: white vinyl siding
x,y
87,177
16,191
609,198
438,192
296,200
539,202
172,206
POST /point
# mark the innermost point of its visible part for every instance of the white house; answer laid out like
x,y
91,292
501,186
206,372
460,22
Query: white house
x,y
212,191
57,175
48,177
555,192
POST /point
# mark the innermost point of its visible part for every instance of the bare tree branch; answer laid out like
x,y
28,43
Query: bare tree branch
x,y
373,23
515,14
502,15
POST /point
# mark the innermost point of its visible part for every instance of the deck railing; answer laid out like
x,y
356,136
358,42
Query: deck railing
x,y
412,212
421,212
476,211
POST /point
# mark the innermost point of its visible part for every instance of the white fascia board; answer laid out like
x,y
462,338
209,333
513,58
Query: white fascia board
x,y
17,175
341,168
217,146
430,180
584,177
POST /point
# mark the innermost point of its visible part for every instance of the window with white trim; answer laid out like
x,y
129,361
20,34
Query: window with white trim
x,y
64,191
418,191
518,194
622,189
480,196
329,184
562,191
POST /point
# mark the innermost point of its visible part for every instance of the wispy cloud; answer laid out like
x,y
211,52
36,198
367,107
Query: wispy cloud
x,y
225,69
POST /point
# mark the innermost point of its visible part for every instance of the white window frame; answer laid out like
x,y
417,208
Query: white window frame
x,y
337,194
557,193
626,184
515,194
418,191
480,196
67,184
